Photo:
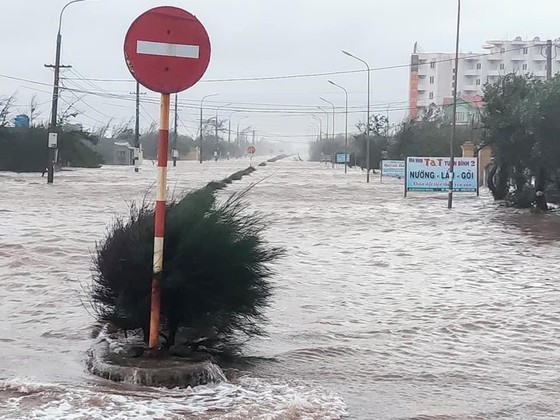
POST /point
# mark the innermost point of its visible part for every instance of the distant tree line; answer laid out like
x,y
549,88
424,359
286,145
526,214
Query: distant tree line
x,y
414,138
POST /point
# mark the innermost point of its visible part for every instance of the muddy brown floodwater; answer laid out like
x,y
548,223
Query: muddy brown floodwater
x,y
384,307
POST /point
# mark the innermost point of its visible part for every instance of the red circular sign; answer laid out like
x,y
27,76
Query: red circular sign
x,y
251,150
167,49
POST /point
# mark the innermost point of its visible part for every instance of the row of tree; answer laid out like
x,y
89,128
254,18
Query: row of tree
x,y
522,125
23,148
413,138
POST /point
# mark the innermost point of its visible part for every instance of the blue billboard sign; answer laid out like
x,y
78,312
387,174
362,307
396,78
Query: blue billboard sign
x,y
342,158
393,168
432,174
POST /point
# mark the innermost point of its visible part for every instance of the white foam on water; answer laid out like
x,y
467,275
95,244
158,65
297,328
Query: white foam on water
x,y
249,398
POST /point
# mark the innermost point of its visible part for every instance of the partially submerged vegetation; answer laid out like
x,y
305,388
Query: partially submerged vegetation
x,y
216,278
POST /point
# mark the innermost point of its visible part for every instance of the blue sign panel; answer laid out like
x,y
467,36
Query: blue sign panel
x,y
393,168
342,158
432,174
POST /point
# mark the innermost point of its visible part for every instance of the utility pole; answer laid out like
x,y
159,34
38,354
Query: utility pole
x,y
229,132
253,142
216,127
52,142
549,59
137,129
175,152
53,131
237,136
201,128
454,132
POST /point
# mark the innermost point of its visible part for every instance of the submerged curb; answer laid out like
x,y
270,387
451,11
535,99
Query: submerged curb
x,y
168,372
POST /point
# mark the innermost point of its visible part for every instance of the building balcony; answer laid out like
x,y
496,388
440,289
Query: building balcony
x,y
495,73
541,73
471,88
495,57
472,72
539,58
518,58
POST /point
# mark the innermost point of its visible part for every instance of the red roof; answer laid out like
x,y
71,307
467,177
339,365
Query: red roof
x,y
474,100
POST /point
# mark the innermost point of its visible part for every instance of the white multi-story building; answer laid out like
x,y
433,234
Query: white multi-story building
x,y
432,75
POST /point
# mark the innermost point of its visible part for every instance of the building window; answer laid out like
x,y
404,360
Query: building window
x,y
478,82
453,78
431,95
479,66
461,117
502,66
502,50
525,66
432,80
433,65
525,50
454,71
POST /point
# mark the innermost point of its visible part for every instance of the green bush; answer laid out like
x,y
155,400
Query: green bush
x,y
216,271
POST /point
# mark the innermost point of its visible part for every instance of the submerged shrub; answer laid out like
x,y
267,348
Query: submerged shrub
x,y
216,271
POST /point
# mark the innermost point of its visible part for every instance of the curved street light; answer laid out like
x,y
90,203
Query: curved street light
x,y
368,104
346,127
54,109
316,118
201,103
333,113
327,127
229,127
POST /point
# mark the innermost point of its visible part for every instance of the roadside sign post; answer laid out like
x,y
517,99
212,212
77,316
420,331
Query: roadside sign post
x,y
167,50
251,150
433,174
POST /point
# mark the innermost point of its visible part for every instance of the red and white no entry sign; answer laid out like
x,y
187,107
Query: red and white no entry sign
x,y
167,49
251,150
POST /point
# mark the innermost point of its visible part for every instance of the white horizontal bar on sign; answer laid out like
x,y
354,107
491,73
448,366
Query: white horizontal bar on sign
x,y
167,50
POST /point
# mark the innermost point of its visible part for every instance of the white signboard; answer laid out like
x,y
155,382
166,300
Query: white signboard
x,y
393,168
432,174
53,140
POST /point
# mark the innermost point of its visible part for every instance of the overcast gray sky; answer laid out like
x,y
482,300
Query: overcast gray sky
x,y
254,38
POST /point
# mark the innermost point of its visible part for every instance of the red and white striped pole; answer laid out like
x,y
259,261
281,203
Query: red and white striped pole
x,y
159,233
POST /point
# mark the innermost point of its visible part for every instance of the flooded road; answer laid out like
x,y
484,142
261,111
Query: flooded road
x,y
384,307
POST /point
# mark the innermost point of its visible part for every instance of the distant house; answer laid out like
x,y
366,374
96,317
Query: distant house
x,y
469,109
21,121
116,152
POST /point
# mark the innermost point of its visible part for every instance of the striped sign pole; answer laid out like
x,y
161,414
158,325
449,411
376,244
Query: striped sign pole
x,y
159,221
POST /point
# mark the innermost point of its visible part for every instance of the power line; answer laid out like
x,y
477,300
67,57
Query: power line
x,y
332,73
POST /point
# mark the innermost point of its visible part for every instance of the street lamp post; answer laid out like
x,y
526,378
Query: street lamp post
x,y
454,132
327,114
229,128
237,135
368,104
333,113
201,135
217,109
316,118
54,111
346,126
